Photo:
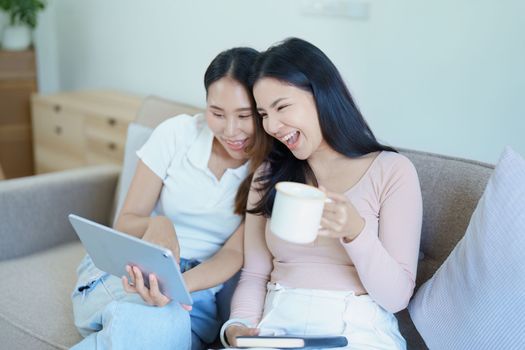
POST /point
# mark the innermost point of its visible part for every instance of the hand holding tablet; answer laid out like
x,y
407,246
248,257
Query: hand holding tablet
x,y
151,295
111,251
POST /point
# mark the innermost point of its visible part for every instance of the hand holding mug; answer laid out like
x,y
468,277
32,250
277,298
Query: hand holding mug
x,y
340,218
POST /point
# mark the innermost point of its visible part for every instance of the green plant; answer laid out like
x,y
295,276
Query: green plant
x,y
22,11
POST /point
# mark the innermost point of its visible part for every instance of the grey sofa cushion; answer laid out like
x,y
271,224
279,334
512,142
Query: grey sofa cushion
x,y
34,209
451,188
35,308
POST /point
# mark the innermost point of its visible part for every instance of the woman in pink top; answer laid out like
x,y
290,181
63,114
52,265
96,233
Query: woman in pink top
x,y
362,267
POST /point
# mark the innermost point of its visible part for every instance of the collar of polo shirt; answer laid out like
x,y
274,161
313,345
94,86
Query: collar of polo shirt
x,y
200,150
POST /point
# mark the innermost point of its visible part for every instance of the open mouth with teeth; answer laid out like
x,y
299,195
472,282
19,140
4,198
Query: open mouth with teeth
x,y
291,139
237,145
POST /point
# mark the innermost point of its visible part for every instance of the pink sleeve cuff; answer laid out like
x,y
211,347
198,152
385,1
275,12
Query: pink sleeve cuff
x,y
360,247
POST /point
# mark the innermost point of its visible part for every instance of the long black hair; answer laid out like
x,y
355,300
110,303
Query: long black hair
x,y
237,63
303,65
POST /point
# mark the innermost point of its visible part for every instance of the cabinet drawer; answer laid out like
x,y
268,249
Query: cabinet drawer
x,y
107,127
58,127
101,150
105,139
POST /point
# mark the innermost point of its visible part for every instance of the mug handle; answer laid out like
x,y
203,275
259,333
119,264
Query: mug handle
x,y
327,200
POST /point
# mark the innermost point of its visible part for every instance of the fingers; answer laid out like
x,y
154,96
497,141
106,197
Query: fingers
x,y
334,196
340,218
338,215
151,295
330,225
234,331
238,331
127,286
333,223
337,197
140,287
330,229
186,307
335,216
336,210
157,297
329,233
130,274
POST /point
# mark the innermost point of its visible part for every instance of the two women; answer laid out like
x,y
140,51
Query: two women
x,y
361,269
349,281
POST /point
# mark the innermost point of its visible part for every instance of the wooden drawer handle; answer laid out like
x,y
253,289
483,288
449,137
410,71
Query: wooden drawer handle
x,y
112,146
58,130
112,121
57,108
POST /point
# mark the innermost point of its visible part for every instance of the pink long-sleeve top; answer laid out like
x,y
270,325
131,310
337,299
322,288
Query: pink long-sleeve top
x,y
381,261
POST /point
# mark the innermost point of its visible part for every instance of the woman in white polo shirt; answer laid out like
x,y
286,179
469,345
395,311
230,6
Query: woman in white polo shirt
x,y
192,175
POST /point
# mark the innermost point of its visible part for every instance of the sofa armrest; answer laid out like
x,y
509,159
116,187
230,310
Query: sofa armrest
x,y
33,210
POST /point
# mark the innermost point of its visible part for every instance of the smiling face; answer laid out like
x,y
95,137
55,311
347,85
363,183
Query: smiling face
x,y
290,115
229,116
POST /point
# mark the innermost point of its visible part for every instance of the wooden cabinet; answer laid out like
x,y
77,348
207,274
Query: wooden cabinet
x,y
77,129
17,83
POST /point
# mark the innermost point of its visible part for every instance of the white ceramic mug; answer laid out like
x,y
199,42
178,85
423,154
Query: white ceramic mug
x,y
297,212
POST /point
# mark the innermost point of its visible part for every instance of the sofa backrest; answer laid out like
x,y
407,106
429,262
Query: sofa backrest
x,y
451,188
154,110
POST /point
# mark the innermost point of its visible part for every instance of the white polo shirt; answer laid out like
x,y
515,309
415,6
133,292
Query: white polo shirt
x,y
200,206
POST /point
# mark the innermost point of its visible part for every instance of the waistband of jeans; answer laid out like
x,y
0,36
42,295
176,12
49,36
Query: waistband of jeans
x,y
188,264
321,293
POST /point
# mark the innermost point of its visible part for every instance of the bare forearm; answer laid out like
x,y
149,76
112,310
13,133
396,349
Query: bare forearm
x,y
136,225
221,267
132,224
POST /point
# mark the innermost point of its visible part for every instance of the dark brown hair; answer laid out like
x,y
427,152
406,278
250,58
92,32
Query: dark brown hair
x,y
258,153
237,63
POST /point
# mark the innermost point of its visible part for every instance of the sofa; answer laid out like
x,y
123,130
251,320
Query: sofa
x,y
39,250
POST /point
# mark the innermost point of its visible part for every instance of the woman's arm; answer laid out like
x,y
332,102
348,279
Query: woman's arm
x,y
134,218
221,267
248,299
386,261
140,200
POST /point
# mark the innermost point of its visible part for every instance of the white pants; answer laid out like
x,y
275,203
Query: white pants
x,y
311,312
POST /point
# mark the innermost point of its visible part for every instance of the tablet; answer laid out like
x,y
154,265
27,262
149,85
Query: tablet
x,y
111,251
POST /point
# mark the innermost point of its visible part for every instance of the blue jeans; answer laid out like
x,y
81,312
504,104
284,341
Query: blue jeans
x,y
110,318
